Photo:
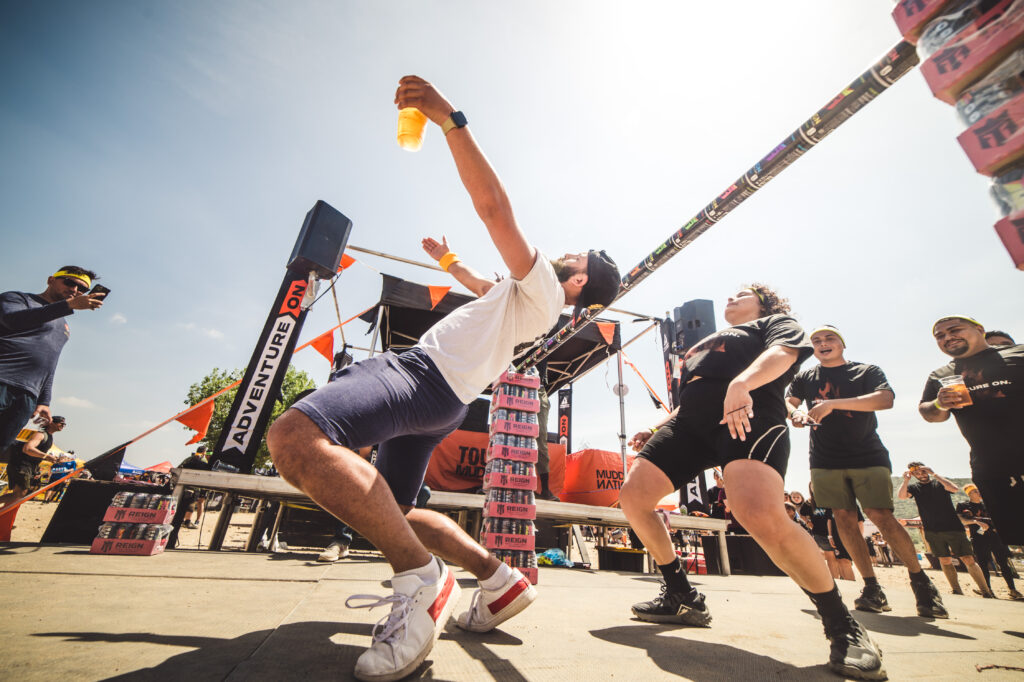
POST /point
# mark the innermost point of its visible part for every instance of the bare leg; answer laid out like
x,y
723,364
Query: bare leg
x,y
975,570
645,485
15,494
845,569
754,491
345,485
831,563
949,570
896,536
849,533
443,537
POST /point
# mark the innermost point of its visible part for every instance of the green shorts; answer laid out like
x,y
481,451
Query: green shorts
x,y
949,543
843,488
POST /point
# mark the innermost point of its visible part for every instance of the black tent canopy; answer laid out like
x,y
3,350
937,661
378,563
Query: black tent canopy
x,y
405,313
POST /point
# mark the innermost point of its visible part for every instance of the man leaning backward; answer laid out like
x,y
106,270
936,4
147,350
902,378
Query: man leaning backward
x,y
408,403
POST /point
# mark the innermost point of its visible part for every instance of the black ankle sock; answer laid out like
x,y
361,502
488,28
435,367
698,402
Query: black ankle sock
x,y
675,578
829,604
871,581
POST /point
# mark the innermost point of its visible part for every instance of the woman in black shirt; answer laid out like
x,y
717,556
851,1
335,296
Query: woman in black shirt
x,y
732,414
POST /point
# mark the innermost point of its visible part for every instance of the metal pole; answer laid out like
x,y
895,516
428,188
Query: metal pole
x,y
622,416
886,71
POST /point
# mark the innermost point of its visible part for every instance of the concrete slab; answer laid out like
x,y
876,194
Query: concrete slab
x,y
231,616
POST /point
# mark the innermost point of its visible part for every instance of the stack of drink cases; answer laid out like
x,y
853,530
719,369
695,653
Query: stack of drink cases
x,y
136,523
972,55
510,475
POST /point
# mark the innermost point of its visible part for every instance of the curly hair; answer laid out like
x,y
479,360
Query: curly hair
x,y
771,302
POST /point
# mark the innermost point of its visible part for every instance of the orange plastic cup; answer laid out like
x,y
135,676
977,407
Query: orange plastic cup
x,y
411,124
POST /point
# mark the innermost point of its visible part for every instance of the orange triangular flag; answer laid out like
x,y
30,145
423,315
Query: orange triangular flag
x,y
607,330
324,344
436,294
198,420
346,260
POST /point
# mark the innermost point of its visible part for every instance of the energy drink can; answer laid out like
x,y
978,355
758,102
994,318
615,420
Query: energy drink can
x,y
121,500
140,501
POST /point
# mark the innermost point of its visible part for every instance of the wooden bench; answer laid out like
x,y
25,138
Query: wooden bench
x,y
277,489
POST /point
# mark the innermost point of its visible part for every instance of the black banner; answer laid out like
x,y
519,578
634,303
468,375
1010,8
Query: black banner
x,y
565,417
261,386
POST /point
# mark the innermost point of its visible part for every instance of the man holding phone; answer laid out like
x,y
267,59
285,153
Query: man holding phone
x,y
849,463
32,335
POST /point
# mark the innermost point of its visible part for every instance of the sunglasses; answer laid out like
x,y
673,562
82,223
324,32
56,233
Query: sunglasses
x,y
76,284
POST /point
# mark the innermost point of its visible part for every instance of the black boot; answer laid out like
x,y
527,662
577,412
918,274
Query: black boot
x,y
853,654
675,607
929,603
872,599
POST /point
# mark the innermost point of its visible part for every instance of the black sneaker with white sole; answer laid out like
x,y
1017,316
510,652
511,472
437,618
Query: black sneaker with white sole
x,y
872,599
674,607
929,603
853,654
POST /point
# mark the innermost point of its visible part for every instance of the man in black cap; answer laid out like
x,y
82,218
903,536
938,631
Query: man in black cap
x,y
983,388
24,459
408,403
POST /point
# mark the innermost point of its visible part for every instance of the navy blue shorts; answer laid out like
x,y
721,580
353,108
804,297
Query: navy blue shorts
x,y
400,402
16,408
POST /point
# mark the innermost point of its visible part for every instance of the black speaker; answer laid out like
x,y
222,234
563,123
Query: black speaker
x,y
694,320
80,512
321,241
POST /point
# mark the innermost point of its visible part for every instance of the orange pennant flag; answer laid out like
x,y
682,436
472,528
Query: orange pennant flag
x,y
607,330
198,420
346,260
324,344
436,294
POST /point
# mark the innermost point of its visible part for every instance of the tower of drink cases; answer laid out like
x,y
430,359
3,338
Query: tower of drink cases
x,y
510,475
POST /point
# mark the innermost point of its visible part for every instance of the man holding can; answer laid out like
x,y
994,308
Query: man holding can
x,y
408,403
983,388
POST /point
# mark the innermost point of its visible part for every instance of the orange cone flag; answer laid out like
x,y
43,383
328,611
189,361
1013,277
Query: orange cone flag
x,y
607,330
436,294
346,260
324,344
198,420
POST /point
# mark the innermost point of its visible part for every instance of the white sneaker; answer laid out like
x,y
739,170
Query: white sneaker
x,y
334,551
491,607
402,639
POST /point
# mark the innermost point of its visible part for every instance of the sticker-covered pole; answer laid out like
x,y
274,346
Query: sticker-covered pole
x,y
875,80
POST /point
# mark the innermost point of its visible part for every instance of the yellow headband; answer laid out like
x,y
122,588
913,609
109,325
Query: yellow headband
x,y
828,328
75,275
757,293
947,318
969,487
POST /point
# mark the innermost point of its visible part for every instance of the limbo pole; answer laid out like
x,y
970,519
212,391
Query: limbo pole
x,y
886,71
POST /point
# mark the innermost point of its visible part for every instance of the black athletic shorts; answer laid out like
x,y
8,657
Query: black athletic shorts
x,y
1004,499
693,440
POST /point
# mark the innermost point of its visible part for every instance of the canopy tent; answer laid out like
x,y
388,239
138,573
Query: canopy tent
x,y
127,468
161,468
405,312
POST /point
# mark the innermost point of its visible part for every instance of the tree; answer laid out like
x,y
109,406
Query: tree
x,y
295,382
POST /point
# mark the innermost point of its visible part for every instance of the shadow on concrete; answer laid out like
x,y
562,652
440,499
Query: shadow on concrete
x,y
292,651
1014,633
901,626
706,660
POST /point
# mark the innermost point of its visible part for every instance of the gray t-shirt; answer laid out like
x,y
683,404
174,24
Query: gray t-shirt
x,y
32,335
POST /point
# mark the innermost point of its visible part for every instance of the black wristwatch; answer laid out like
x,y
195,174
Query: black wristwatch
x,y
456,120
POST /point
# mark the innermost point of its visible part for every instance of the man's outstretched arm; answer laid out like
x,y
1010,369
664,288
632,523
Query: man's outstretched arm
x,y
465,275
485,189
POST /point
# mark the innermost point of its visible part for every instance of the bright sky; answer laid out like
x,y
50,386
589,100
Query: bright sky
x,y
176,147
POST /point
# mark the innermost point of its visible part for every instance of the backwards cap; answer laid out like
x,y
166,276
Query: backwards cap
x,y
965,318
828,328
602,282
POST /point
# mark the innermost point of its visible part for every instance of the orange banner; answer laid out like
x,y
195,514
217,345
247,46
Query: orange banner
x,y
457,463
607,330
324,344
346,260
436,294
594,477
198,420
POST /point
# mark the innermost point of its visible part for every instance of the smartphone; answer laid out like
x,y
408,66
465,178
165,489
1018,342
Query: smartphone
x,y
99,289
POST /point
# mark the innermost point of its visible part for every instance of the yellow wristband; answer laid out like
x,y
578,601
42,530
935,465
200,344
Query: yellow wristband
x,y
653,430
939,407
448,259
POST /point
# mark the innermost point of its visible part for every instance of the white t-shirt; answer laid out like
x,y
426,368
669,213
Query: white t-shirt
x,y
474,343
